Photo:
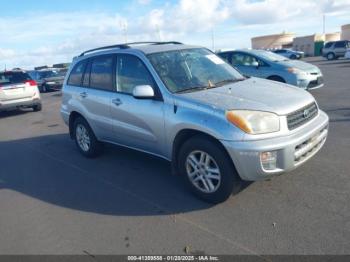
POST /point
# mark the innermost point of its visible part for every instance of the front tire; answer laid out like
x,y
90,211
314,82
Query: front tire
x,y
85,139
207,170
330,56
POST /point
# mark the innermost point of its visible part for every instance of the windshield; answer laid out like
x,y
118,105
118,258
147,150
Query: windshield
x,y
46,74
272,57
191,69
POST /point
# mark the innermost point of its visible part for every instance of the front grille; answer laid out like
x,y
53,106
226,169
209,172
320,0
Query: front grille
x,y
315,83
309,147
302,116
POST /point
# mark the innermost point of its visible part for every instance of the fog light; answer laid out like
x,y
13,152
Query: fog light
x,y
269,160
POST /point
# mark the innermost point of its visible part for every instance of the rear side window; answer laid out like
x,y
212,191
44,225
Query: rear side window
x,y
101,75
75,77
341,44
7,78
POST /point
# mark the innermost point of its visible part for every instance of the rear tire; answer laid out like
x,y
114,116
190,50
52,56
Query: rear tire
x,y
37,108
214,165
293,57
85,139
276,78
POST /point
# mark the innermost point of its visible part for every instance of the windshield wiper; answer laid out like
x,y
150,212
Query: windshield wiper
x,y
227,81
191,89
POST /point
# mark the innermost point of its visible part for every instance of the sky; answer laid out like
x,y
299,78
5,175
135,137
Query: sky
x,y
34,33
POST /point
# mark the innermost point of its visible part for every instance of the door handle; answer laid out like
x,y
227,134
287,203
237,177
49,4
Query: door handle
x,y
117,101
83,94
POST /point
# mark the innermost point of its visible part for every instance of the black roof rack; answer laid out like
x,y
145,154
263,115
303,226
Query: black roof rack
x,y
127,45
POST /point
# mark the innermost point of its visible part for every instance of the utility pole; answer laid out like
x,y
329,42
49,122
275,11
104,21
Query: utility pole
x,y
212,40
124,27
158,32
324,23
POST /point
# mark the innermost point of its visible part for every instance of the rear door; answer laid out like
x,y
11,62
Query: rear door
x,y
96,93
16,85
137,123
340,48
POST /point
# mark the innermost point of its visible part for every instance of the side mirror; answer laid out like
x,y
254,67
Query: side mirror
x,y
143,92
255,64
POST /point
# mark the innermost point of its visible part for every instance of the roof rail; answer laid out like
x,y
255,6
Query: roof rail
x,y
127,45
121,46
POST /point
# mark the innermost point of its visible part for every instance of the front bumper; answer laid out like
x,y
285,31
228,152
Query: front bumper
x,y
310,81
292,150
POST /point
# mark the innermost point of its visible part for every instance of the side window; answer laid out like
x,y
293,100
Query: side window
x,y
341,44
243,60
226,57
101,75
237,59
328,45
75,77
131,72
86,78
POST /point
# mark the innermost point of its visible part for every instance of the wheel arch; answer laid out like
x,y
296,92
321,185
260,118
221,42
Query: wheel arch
x,y
74,115
184,135
273,77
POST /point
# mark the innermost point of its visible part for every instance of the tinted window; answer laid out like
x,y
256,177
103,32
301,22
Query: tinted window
x,y
76,75
340,44
225,56
243,59
328,45
13,78
101,75
86,80
131,72
280,51
47,74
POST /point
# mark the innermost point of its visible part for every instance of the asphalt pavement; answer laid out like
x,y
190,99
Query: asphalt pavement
x,y
54,201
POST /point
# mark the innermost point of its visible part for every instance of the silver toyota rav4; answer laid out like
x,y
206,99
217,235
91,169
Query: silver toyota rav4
x,y
186,105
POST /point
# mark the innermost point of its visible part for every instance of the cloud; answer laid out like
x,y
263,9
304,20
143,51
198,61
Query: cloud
x,y
46,38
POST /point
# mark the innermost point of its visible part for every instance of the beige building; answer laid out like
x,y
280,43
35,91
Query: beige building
x,y
345,32
273,41
332,37
307,44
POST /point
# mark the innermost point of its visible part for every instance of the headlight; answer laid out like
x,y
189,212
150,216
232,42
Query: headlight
x,y
254,122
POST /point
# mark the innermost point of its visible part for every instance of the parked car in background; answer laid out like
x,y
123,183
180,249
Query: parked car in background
x,y
185,104
335,49
289,53
48,80
347,54
18,89
265,64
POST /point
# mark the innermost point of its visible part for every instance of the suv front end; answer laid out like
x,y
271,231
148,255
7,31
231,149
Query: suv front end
x,y
261,158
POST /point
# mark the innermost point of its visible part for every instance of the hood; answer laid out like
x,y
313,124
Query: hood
x,y
253,94
300,65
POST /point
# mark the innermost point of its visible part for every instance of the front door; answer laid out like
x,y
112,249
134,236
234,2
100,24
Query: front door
x,y
137,123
